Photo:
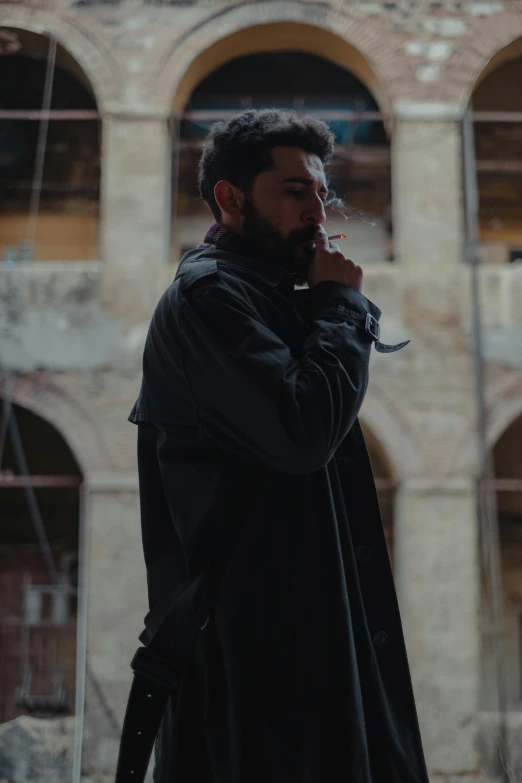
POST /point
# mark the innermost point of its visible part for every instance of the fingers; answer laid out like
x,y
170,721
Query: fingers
x,y
321,237
322,241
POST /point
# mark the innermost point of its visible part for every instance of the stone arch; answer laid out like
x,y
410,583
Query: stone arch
x,y
377,452
268,27
502,43
92,55
504,406
43,396
399,444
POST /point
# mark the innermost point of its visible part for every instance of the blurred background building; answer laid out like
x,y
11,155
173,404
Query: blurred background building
x,y
103,106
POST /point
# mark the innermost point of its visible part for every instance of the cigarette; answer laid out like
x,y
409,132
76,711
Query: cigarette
x,y
337,236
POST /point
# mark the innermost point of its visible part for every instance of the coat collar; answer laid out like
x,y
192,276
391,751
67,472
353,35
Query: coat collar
x,y
246,255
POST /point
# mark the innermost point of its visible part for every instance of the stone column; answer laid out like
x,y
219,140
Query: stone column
x,y
427,186
116,586
437,579
135,212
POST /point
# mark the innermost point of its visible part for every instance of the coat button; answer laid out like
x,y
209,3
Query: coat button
x,y
380,638
362,552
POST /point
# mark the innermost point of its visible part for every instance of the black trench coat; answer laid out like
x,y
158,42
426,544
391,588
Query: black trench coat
x,y
248,411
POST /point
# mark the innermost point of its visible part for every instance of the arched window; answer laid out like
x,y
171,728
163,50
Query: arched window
x,y
507,461
497,104
53,217
38,567
359,173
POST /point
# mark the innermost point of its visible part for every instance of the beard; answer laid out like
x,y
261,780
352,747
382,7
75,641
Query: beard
x,y
285,251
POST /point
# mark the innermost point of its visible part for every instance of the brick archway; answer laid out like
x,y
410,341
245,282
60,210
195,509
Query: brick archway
x,y
92,55
40,394
395,434
268,27
504,405
492,46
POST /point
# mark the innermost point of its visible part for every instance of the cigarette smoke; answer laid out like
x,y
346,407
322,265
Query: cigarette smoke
x,y
349,213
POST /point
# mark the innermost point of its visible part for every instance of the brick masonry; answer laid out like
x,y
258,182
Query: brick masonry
x,y
434,51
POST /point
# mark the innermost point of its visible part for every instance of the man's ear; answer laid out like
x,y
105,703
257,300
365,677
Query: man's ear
x,y
229,199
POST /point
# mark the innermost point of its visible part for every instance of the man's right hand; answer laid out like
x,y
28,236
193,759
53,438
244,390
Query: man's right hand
x,y
331,264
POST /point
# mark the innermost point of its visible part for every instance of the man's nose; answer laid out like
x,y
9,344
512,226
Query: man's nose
x,y
316,214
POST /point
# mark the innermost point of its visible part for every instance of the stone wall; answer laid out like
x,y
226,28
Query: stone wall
x,y
74,334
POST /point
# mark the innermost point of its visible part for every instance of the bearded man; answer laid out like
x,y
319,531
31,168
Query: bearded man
x,y
254,372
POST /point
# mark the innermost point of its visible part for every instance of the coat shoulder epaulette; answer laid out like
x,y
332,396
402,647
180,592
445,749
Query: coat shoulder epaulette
x,y
190,274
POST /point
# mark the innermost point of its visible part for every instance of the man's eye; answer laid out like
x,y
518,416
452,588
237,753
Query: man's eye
x,y
300,193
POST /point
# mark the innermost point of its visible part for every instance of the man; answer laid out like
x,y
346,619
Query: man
x,y
247,416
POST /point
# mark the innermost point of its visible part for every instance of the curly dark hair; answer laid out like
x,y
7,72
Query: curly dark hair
x,y
239,149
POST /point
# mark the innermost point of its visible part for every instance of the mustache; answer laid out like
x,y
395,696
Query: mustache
x,y
296,239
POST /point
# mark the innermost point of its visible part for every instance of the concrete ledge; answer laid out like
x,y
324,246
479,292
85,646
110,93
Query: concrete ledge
x,y
111,482
439,484
428,110
51,317
35,268
136,111
500,288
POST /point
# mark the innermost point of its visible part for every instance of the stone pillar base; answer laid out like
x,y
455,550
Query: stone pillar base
x,y
437,580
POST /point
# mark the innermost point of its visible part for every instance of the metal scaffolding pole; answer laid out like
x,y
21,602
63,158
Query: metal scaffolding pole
x,y
11,425
34,206
485,489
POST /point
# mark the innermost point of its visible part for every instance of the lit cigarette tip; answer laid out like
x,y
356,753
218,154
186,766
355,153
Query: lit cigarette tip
x,y
337,236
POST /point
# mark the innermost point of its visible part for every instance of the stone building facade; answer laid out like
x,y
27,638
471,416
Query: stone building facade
x,y
73,326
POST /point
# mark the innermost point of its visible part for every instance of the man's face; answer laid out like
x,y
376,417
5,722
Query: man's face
x,y
286,204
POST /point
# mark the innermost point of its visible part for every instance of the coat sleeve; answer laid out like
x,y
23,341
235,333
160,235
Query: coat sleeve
x,y
258,402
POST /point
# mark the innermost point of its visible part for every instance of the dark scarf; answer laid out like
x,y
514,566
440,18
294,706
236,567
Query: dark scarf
x,y
226,240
